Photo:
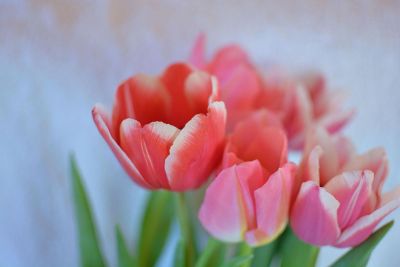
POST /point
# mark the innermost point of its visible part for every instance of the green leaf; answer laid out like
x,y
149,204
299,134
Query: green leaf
x,y
239,261
263,255
125,259
295,252
155,228
179,257
213,254
90,253
359,256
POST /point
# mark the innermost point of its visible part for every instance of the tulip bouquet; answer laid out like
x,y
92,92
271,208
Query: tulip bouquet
x,y
211,139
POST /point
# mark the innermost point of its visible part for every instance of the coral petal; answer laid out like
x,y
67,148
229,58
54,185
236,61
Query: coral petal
x,y
148,148
226,60
198,88
197,57
174,79
197,149
103,123
141,97
254,138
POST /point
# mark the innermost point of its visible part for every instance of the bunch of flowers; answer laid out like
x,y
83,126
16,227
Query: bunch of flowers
x,y
215,134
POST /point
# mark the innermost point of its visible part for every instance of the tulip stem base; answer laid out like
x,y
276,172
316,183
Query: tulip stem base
x,y
245,250
185,229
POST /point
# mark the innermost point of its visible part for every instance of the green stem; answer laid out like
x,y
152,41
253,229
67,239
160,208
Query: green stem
x,y
264,255
245,250
186,235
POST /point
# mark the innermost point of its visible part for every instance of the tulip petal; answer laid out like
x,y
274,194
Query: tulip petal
x,y
197,149
345,149
314,215
352,190
329,161
364,226
374,160
197,57
226,60
222,212
103,123
148,147
243,134
254,138
272,202
174,79
312,171
334,121
299,118
240,89
391,195
251,177
198,88
141,97
269,146
316,86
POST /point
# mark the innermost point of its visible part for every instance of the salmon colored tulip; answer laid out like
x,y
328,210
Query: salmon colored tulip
x,y
167,131
260,136
303,102
239,81
340,201
300,102
250,199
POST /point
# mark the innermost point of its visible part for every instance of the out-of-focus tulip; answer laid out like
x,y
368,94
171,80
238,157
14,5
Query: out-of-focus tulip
x,y
250,199
303,102
239,81
340,201
300,101
167,131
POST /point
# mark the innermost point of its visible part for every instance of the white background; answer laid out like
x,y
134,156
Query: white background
x,y
57,58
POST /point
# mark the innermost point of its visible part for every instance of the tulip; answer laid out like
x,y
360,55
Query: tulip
x,y
250,198
260,136
300,101
303,102
340,201
239,81
166,131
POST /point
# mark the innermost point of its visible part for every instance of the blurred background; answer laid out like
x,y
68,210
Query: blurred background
x,y
58,58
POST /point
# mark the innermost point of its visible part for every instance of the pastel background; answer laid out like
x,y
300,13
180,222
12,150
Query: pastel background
x,y
57,58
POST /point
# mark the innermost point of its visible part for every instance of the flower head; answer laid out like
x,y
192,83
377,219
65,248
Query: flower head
x,y
238,78
250,198
166,131
340,201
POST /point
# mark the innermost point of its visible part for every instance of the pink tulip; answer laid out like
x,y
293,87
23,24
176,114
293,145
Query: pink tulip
x,y
239,81
244,204
250,199
166,131
340,201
